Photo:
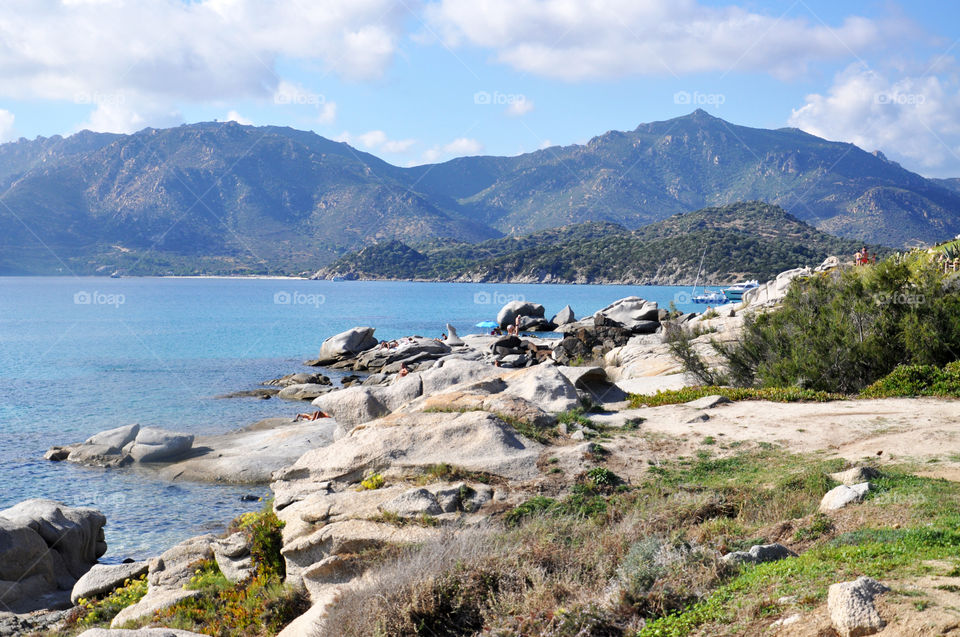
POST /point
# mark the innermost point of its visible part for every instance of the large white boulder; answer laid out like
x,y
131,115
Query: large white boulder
x,y
632,312
347,344
44,547
508,313
475,441
157,445
543,385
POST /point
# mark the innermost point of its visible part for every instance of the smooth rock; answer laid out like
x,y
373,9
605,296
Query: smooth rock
x,y
758,554
544,386
104,578
157,445
306,391
352,406
708,402
233,557
97,455
413,503
348,343
153,601
475,441
841,496
851,607
453,339
118,437
856,475
74,534
564,317
633,313
174,567
508,313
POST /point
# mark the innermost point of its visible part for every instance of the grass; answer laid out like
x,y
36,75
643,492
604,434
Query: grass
x,y
543,435
774,394
650,551
444,472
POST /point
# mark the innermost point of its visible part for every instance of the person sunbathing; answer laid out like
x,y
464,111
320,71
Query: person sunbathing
x,y
317,415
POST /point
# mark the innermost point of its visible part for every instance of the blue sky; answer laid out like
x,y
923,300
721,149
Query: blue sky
x,y
415,82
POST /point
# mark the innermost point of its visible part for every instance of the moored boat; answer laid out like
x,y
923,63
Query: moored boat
x,y
735,292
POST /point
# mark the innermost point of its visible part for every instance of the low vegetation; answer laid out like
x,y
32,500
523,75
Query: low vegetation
x,y
643,559
917,380
773,394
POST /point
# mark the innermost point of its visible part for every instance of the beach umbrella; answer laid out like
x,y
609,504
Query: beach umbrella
x,y
488,324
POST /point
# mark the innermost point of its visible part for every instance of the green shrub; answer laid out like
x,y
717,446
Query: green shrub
x,y
774,394
917,380
103,610
603,477
843,330
264,531
373,481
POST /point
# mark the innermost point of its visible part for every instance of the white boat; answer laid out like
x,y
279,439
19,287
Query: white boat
x,y
735,292
713,297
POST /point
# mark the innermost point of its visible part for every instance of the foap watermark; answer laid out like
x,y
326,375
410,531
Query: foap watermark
x,y
298,97
900,298
697,98
84,297
496,98
98,98
682,297
496,298
901,99
298,298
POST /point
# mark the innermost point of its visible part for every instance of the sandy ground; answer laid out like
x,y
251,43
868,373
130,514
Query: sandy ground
x,y
895,429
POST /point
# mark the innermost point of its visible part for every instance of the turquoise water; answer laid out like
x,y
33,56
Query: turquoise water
x,y
80,355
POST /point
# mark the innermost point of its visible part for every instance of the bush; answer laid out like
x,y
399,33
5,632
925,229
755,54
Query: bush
x,y
843,330
90,612
917,380
264,531
373,481
774,394
658,576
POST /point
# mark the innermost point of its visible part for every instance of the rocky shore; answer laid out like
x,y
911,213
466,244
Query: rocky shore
x,y
428,438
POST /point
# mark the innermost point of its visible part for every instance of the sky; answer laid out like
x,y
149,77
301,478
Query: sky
x,y
419,82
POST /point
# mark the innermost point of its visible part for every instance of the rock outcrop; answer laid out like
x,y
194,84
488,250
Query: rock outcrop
x,y
104,578
346,345
125,445
45,547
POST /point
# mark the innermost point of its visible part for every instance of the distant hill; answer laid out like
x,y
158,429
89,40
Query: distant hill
x,y
750,240
227,198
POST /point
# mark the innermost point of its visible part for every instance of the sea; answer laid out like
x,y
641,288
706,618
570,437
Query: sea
x,y
81,355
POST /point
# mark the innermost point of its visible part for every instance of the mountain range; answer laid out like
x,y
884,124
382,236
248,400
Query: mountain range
x,y
227,198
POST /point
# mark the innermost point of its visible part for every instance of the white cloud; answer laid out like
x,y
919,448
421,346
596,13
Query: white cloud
x,y
128,114
519,107
545,144
377,140
234,116
457,148
610,38
328,113
6,125
163,52
914,119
